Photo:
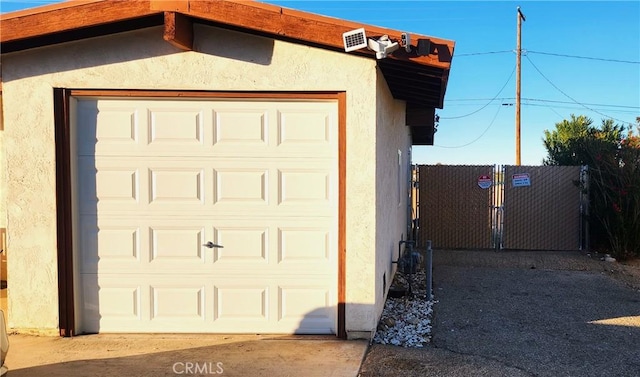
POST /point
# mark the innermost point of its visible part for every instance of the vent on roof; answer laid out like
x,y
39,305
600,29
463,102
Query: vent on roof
x,y
354,40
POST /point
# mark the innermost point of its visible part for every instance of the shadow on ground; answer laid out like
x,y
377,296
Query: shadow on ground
x,y
173,355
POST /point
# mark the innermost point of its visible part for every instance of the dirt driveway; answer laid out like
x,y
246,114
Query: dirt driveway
x,y
524,314
183,355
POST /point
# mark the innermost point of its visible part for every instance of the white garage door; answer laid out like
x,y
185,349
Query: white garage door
x,y
158,179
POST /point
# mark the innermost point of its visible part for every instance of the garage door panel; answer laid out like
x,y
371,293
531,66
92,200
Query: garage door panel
x,y
304,245
110,301
169,185
176,245
293,246
308,306
158,179
240,127
120,302
241,185
116,127
208,127
309,309
176,186
239,304
304,187
179,301
113,184
119,245
286,246
296,246
299,128
242,244
176,127
241,301
117,185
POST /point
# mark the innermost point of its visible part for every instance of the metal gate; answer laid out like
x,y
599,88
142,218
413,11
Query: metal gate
x,y
501,207
453,213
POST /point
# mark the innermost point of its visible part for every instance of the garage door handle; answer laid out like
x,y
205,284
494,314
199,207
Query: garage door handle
x,y
211,245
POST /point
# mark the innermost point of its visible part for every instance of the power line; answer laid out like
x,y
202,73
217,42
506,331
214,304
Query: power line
x,y
488,103
557,113
576,108
542,100
589,104
584,57
478,99
568,96
476,139
568,105
550,54
483,53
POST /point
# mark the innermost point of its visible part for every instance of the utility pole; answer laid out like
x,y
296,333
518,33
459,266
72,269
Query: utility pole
x,y
518,57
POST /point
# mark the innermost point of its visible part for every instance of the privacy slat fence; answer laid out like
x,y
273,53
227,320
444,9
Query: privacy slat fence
x,y
453,213
546,214
501,207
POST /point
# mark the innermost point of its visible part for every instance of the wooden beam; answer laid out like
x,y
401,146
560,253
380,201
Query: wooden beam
x,y
422,136
342,214
178,30
262,18
64,218
443,87
310,28
69,16
419,116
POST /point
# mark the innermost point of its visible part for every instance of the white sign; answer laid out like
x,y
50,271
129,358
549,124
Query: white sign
x,y
520,180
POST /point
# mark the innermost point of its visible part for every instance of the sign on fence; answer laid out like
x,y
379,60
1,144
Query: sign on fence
x,y
485,181
520,180
481,207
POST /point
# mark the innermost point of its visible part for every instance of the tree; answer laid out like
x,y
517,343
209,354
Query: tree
x,y
613,157
567,144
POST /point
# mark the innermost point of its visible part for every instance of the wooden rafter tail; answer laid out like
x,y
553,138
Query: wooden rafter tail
x,y
178,30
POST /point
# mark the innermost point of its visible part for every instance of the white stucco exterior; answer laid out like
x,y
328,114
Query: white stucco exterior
x,y
222,60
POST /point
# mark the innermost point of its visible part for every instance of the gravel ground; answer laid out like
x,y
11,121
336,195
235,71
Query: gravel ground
x,y
406,320
523,314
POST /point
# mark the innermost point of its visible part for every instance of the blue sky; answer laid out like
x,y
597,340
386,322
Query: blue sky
x,y
579,57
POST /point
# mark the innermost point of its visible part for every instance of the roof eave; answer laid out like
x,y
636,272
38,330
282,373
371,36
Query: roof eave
x,y
418,79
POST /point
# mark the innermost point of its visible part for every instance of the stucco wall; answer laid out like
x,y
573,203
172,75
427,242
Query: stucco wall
x,y
391,188
3,170
222,60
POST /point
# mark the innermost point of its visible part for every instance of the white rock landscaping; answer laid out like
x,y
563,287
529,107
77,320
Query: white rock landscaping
x,y
406,321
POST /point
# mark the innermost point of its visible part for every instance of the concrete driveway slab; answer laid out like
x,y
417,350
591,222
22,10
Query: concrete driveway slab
x,y
184,355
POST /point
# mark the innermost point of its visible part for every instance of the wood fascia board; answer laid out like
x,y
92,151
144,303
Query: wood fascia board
x,y
170,5
46,8
250,15
178,30
308,27
69,16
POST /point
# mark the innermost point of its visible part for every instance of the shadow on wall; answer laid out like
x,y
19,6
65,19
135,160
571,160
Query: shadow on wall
x,y
136,46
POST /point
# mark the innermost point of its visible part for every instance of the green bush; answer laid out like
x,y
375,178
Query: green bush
x,y
613,157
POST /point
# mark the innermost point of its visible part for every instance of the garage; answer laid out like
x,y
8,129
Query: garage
x,y
209,166
161,182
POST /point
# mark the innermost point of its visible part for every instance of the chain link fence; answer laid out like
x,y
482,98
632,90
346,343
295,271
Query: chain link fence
x,y
501,207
